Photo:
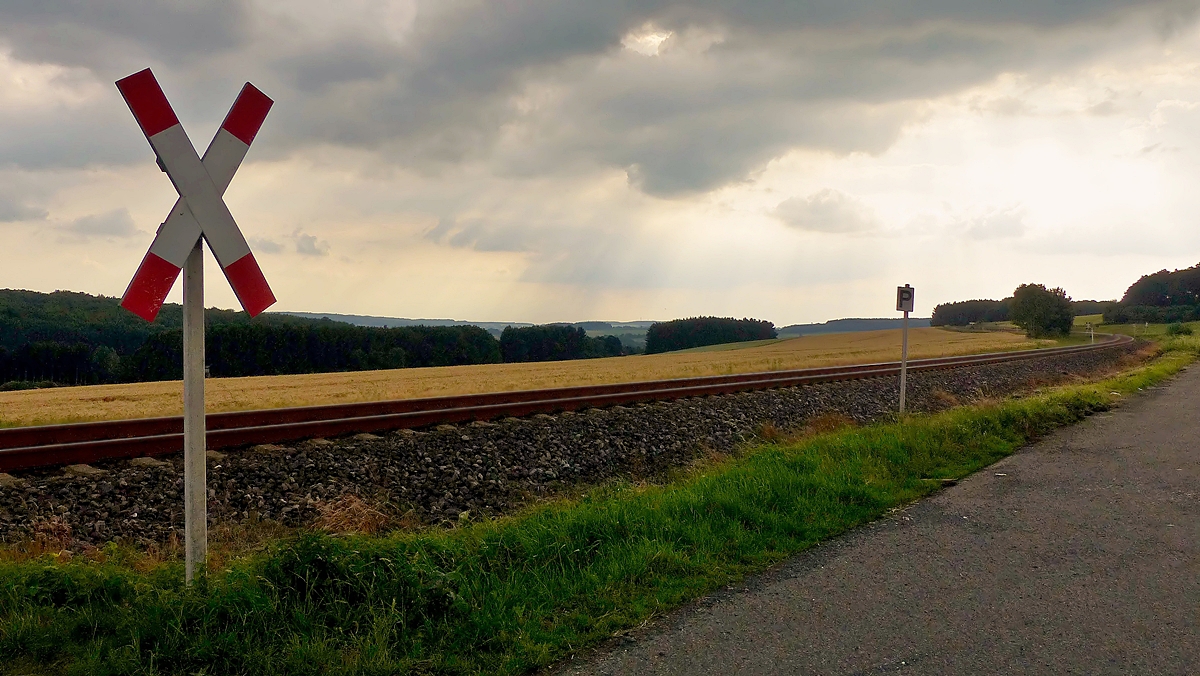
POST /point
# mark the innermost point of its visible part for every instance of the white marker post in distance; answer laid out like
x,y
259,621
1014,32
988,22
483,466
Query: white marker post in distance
x,y
904,302
199,215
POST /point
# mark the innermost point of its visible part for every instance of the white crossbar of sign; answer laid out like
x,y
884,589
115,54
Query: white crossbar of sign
x,y
200,209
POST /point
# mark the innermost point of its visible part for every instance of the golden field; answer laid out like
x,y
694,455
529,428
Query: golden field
x,y
140,400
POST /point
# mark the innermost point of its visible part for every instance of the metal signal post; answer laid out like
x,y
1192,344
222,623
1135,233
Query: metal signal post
x,y
904,302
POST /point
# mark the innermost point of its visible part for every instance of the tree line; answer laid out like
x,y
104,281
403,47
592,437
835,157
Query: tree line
x,y
1160,297
1041,311
62,363
682,334
965,312
71,338
553,342
235,350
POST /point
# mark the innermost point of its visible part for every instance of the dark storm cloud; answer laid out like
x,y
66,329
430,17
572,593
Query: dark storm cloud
x,y
539,86
65,138
103,35
115,223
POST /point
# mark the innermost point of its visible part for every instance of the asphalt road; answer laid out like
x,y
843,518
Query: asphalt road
x,y
1077,555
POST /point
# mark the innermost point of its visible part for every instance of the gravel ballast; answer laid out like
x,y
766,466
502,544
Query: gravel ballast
x,y
482,468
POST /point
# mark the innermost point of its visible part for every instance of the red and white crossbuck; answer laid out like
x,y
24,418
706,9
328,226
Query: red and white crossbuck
x,y
200,210
199,214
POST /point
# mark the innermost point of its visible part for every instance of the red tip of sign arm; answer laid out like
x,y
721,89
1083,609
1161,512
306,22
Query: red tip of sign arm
x,y
148,103
247,114
249,285
150,287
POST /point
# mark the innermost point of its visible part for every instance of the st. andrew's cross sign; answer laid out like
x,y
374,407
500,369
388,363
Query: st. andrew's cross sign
x,y
199,215
199,209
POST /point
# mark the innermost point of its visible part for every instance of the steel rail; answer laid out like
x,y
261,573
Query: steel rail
x,y
39,446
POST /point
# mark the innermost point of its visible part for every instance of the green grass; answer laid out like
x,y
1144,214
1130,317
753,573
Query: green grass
x,y
514,594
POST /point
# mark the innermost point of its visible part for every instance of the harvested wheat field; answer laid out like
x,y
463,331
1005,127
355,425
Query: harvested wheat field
x,y
140,400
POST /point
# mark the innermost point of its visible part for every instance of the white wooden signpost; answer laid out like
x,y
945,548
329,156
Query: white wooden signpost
x,y
904,302
199,214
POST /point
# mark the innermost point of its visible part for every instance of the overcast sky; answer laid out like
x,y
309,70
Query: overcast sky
x,y
540,160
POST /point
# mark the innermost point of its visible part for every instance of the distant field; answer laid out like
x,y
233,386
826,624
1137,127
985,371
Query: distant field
x,y
725,347
1143,330
139,400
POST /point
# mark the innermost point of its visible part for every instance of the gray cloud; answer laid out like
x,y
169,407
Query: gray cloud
x,y
995,224
589,253
110,36
826,210
605,251
65,138
540,86
115,223
309,245
264,245
732,89
12,210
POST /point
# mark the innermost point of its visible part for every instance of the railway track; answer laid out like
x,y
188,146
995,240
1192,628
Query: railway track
x,y
48,445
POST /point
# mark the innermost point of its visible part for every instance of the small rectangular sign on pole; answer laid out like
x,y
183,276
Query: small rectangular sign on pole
x,y
905,299
199,216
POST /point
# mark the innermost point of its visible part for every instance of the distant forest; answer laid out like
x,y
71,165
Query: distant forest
x,y
555,342
849,325
682,334
1164,296
68,338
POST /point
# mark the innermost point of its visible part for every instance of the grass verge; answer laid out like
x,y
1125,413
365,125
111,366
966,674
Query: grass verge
x,y
514,594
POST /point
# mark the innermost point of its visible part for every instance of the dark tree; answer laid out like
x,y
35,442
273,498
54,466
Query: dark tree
x,y
1161,297
1040,311
1163,289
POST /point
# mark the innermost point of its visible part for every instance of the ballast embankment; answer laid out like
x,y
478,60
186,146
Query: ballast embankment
x,y
481,467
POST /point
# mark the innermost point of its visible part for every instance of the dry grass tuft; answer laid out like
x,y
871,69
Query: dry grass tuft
x,y
828,422
53,534
50,536
769,433
943,399
350,514
229,541
823,423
